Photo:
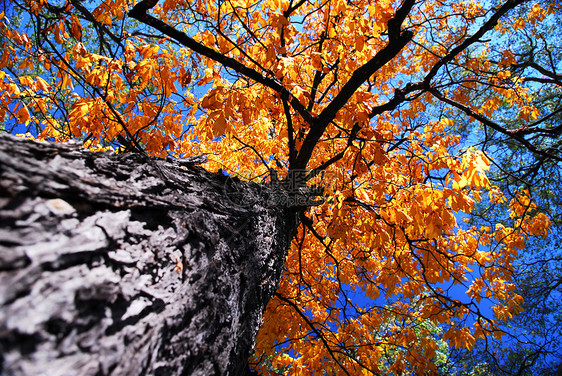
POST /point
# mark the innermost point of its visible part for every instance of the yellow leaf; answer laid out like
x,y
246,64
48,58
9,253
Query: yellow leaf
x,y
23,115
359,42
219,125
75,27
58,37
316,60
43,85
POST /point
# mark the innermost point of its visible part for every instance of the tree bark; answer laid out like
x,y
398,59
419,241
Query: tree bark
x,y
120,265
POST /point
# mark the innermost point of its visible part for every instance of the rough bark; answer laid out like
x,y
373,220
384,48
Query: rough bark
x,y
119,265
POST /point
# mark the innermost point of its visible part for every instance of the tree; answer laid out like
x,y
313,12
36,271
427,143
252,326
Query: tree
x,y
346,100
114,265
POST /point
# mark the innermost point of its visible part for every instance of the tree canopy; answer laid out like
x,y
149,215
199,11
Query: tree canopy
x,y
367,101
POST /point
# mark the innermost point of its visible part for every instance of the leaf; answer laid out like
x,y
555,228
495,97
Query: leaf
x,y
220,125
23,115
42,84
76,28
316,60
359,42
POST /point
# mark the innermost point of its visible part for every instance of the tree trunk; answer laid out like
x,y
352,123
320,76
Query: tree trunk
x,y
120,265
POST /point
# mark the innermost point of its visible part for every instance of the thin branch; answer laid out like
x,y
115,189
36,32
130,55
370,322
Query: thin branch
x,y
313,328
488,25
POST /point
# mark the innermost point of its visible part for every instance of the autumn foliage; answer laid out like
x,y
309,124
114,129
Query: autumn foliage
x,y
383,273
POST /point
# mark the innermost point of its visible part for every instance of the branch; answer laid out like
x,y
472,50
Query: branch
x,y
514,134
337,157
397,41
139,13
290,131
398,98
557,78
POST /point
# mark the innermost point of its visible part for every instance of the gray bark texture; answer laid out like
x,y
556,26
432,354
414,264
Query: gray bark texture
x,y
120,265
